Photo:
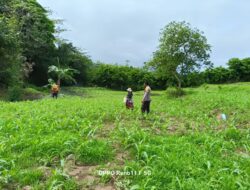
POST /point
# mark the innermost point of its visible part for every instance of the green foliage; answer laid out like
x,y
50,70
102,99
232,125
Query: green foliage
x,y
205,86
27,49
37,37
15,93
26,36
182,50
94,152
32,94
27,45
60,181
217,75
173,92
180,144
65,74
29,177
233,134
121,77
72,57
10,60
239,69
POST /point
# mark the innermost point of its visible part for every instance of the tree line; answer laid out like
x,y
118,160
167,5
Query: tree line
x,y
122,76
30,47
29,44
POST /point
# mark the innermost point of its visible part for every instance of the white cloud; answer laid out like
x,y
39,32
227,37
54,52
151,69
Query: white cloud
x,y
115,31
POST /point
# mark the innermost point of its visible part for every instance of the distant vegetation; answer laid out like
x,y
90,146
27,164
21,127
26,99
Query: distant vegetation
x,y
29,45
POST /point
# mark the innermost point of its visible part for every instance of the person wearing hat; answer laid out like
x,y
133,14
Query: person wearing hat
x,y
129,99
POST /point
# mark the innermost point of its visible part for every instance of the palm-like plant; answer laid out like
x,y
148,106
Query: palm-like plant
x,y
63,73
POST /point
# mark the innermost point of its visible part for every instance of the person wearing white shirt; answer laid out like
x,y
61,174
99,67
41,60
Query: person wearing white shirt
x,y
146,98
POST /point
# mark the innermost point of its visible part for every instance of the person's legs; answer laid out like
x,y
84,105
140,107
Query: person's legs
x,y
132,105
143,107
148,107
127,104
54,95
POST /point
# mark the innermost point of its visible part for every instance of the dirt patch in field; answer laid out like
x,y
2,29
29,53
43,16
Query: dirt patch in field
x,y
177,127
220,127
27,188
79,173
109,187
88,177
242,152
146,124
119,160
214,112
46,171
243,125
106,130
85,176
172,129
85,173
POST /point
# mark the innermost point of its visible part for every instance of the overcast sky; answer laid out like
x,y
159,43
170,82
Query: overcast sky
x,y
114,31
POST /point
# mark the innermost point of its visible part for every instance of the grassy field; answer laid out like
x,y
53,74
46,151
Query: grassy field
x,y
90,141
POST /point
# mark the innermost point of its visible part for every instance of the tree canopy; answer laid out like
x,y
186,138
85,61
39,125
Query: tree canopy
x,y
182,50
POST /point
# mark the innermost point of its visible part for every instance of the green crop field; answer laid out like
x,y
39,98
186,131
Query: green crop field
x,y
88,140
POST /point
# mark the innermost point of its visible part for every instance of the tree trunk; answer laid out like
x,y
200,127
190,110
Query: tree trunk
x,y
59,82
178,80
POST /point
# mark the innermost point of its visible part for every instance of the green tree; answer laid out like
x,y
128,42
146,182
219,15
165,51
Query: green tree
x,y
10,52
182,50
27,45
240,69
217,75
121,77
66,74
37,37
72,57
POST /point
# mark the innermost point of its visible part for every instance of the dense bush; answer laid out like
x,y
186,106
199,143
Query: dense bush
x,y
237,71
174,92
121,77
15,93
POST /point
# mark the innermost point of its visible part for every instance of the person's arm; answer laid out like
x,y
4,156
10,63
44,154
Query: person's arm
x,y
146,93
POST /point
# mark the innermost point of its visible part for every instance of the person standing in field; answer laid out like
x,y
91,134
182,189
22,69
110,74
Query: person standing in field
x,y
129,99
146,98
55,90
